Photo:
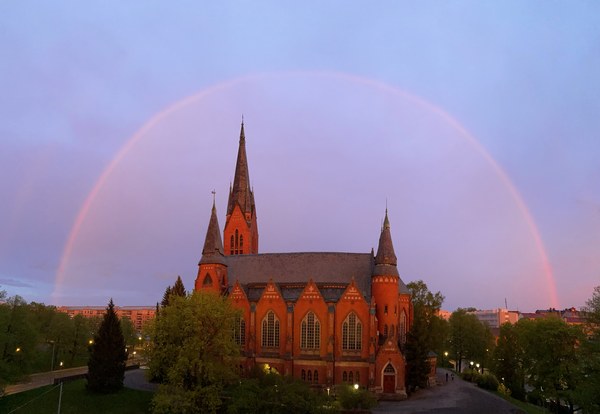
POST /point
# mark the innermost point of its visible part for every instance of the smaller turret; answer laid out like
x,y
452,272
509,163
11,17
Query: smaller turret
x,y
212,268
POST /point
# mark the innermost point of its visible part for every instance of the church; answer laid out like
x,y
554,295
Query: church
x,y
324,318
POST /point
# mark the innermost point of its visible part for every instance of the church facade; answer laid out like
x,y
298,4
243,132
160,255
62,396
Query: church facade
x,y
325,318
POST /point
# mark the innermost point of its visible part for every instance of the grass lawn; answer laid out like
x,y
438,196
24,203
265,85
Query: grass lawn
x,y
528,408
75,400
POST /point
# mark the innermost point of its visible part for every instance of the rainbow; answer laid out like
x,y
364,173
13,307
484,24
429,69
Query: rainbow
x,y
464,133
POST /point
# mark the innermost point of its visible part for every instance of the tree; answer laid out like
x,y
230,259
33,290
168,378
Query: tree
x,y
552,357
176,290
468,338
508,360
424,334
193,354
587,393
106,366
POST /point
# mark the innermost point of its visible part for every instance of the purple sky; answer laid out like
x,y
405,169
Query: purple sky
x,y
345,107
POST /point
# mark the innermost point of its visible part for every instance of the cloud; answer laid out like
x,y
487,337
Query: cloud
x,y
14,283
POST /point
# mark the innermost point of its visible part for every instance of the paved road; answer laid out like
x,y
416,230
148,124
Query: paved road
x,y
456,396
136,379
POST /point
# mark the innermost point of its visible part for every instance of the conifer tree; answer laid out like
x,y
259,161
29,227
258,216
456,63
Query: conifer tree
x,y
178,288
106,366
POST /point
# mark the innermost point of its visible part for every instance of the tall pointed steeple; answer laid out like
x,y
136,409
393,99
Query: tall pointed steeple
x,y
241,229
385,260
241,192
213,245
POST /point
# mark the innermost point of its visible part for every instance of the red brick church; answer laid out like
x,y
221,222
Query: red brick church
x,y
325,318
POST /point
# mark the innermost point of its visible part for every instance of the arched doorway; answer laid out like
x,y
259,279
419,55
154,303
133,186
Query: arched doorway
x,y
389,379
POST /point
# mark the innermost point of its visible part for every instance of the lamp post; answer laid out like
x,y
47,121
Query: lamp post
x,y
52,362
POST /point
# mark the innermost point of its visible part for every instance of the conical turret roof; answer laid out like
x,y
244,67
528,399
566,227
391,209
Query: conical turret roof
x,y
213,245
385,260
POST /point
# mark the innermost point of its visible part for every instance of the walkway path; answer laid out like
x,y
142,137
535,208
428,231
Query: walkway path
x,y
134,378
456,396
44,378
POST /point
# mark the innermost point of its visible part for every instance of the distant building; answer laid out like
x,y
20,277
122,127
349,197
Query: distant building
x,y
571,316
444,314
325,318
494,318
138,315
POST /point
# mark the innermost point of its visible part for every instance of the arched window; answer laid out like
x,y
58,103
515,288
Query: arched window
x,y
303,375
310,332
389,369
237,240
402,328
270,331
357,377
385,309
207,280
392,331
350,376
239,331
309,376
241,244
316,376
385,330
231,245
345,376
351,333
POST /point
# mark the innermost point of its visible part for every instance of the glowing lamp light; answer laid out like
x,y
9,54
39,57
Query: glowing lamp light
x,y
18,349
355,386
61,363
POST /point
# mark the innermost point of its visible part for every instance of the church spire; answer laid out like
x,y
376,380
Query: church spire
x,y
385,260
213,245
241,193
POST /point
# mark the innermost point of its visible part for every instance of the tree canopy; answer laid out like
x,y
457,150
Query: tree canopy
x,y
193,354
427,333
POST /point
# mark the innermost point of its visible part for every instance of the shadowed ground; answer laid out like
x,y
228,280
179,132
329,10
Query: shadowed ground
x,y
456,396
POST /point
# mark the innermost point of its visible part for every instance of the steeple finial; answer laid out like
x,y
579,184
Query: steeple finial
x,y
214,193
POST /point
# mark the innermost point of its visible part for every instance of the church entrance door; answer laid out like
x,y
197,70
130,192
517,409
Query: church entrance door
x,y
389,379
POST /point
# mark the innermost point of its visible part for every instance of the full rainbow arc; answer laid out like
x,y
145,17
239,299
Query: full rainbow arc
x,y
378,85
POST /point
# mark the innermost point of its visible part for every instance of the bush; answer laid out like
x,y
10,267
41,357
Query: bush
x,y
504,390
351,398
487,381
470,375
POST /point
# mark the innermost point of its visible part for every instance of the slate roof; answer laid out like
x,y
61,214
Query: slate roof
x,y
287,269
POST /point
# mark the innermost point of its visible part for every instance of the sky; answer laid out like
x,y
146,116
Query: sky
x,y
475,123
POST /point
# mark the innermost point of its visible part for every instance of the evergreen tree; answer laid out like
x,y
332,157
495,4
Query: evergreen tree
x,y
106,366
178,288
166,296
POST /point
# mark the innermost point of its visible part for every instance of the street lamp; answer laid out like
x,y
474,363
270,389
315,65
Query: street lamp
x,y
477,365
355,386
18,349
